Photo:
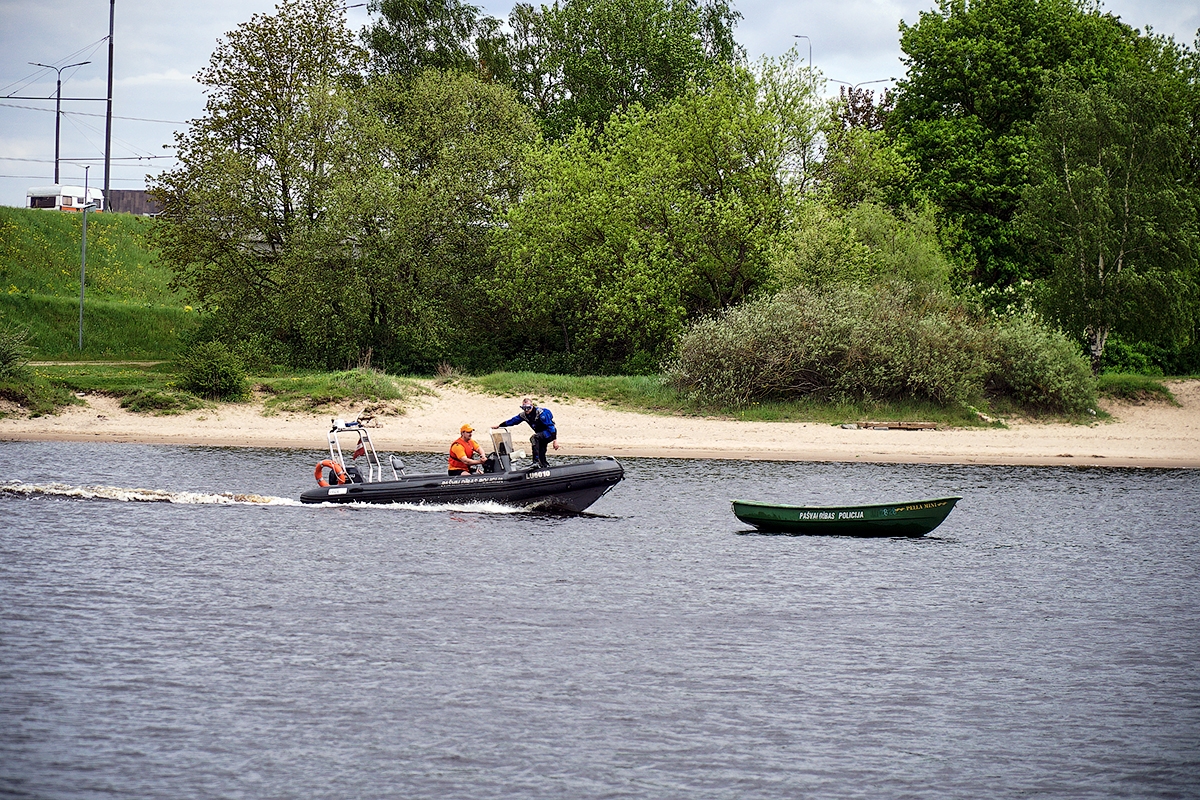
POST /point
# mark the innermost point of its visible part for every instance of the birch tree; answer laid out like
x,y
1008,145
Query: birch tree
x,y
1111,203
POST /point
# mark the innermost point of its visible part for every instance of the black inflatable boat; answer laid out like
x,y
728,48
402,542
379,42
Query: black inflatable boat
x,y
570,487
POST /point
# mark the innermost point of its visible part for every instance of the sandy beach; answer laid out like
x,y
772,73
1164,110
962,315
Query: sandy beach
x,y
1150,435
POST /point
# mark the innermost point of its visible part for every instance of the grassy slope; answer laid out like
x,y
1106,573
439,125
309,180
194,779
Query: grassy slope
x,y
129,311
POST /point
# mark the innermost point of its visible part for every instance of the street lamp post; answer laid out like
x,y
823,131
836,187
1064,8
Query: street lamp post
x,y
88,205
854,86
802,36
58,108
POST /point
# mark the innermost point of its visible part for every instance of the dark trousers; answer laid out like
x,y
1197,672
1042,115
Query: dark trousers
x,y
539,450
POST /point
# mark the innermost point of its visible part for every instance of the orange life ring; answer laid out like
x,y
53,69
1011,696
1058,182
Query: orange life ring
x,y
339,472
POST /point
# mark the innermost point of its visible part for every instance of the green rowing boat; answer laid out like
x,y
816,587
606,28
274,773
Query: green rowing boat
x,y
886,519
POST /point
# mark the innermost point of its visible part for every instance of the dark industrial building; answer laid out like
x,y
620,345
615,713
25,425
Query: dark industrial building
x,y
133,201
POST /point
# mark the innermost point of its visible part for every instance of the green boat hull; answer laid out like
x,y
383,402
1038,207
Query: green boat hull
x,y
915,518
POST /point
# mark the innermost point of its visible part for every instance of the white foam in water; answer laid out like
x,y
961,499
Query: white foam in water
x,y
484,507
139,495
225,498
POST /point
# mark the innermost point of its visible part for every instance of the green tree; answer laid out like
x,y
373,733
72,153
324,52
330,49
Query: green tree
x,y
664,216
580,61
411,36
1112,201
863,223
434,162
336,219
257,171
975,77
826,245
861,162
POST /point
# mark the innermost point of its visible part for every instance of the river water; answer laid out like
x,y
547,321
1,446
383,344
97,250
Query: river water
x,y
1044,641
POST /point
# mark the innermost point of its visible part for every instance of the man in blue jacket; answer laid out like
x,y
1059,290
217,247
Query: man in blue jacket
x,y
544,432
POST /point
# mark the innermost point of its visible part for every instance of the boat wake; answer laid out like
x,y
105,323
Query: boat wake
x,y
482,507
124,495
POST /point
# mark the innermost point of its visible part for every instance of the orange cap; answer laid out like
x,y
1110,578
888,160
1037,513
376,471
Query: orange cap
x,y
466,428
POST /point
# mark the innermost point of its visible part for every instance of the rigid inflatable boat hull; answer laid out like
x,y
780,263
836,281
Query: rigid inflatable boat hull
x,y
566,487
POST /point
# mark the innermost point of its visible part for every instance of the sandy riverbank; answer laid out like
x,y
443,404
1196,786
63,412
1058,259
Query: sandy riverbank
x,y
1153,435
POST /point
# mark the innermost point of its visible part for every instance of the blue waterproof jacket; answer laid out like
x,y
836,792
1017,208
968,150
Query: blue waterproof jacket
x,y
540,419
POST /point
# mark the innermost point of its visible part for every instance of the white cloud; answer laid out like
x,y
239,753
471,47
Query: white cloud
x,y
171,76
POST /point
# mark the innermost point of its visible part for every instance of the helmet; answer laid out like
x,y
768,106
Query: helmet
x,y
466,428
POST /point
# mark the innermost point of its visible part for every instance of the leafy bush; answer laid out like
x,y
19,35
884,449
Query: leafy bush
x,y
14,353
143,400
258,353
847,344
1136,358
882,343
1040,368
864,245
212,371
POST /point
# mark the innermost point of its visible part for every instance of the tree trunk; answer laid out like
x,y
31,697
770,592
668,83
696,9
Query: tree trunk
x,y
1096,338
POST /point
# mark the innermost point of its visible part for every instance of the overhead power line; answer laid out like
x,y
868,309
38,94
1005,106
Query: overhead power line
x,y
118,158
43,177
80,160
32,78
86,114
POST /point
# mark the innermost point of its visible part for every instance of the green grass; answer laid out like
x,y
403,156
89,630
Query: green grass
x,y
140,388
648,394
153,389
636,392
111,330
36,395
311,391
39,254
117,380
1134,389
130,311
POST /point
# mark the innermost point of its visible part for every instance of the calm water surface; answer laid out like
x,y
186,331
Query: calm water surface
x,y
1044,641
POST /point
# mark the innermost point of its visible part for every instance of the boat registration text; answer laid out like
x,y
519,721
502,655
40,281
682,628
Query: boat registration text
x,y
834,515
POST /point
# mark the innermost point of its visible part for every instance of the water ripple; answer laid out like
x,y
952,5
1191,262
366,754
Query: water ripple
x,y
1046,642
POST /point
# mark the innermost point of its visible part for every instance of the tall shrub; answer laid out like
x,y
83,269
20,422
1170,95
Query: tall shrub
x,y
841,343
211,370
14,353
888,342
1040,367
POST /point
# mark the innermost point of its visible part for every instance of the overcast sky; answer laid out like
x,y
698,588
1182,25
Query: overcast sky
x,y
160,45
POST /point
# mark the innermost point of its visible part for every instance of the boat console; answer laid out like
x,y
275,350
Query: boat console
x,y
503,455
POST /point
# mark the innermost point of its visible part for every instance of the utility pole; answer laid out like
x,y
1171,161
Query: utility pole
x,y
58,109
112,10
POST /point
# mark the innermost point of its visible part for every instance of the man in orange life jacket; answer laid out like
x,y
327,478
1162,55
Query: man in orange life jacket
x,y
464,453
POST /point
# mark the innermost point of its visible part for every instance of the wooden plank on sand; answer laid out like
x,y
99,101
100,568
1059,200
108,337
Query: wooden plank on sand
x,y
899,426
